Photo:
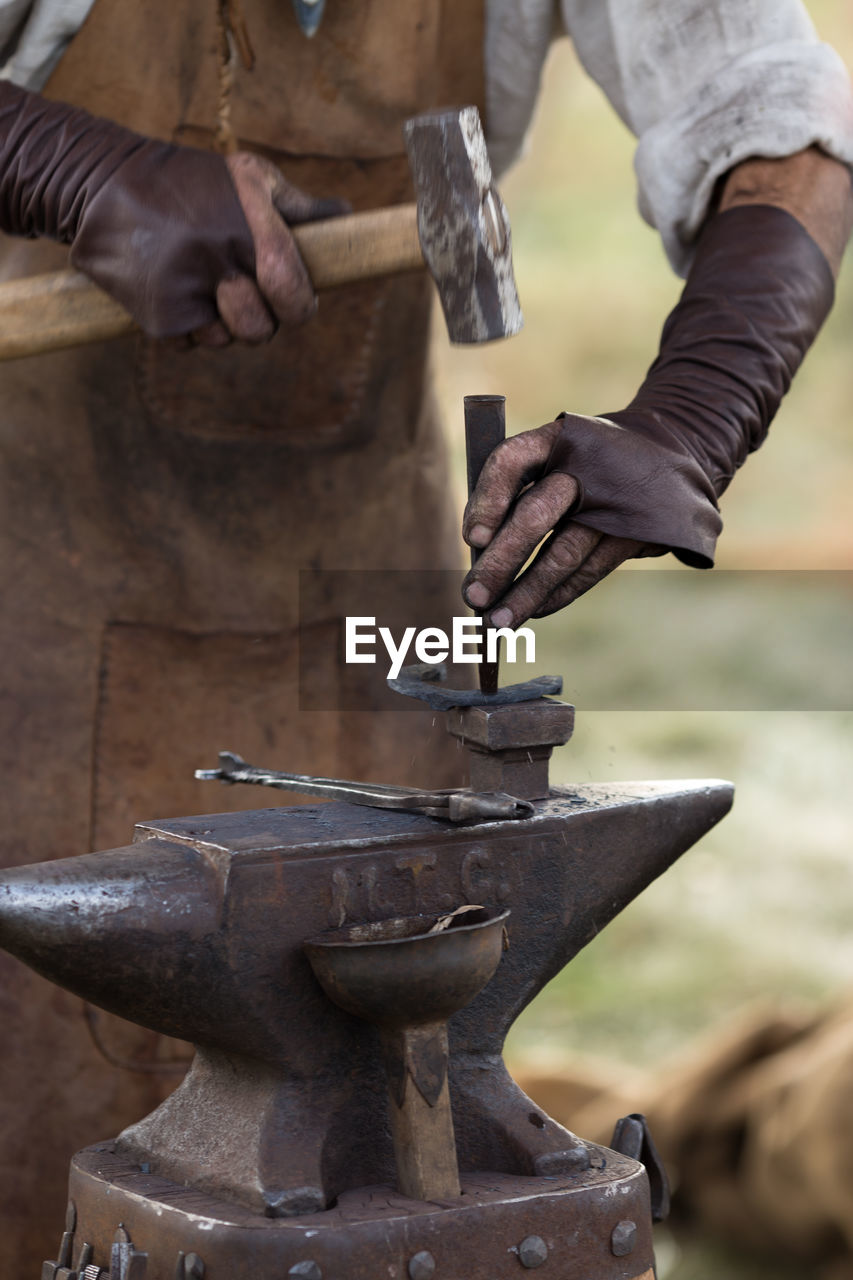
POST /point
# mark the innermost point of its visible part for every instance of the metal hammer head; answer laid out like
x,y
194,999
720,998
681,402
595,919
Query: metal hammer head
x,y
463,225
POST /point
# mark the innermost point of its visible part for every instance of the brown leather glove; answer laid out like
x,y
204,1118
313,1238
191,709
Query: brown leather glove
x,y
649,475
186,240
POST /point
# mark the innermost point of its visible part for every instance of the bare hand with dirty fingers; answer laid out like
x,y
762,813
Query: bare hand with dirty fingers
x,y
518,502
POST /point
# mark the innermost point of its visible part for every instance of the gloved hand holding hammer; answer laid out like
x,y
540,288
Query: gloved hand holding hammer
x,y
189,241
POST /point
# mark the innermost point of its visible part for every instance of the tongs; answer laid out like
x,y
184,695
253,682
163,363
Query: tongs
x,y
453,805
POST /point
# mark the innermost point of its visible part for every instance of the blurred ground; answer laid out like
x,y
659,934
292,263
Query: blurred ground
x,y
761,908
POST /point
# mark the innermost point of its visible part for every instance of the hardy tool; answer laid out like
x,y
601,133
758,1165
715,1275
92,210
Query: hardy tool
x,y
458,227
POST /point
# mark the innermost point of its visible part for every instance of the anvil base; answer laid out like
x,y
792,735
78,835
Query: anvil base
x,y
591,1225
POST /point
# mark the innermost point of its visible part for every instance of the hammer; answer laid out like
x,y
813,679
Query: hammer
x,y
458,227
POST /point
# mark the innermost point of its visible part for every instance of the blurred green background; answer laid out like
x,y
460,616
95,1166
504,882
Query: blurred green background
x,y
760,910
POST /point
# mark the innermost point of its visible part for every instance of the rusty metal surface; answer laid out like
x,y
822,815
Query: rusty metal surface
x,y
266,1114
374,1232
463,225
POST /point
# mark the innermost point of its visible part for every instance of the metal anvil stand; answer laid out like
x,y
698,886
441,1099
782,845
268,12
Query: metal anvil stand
x,y
274,1157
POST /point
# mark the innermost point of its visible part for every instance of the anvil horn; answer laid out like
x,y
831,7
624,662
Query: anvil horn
x,y
117,927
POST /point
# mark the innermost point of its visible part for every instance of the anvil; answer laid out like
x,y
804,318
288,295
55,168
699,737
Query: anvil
x,y
196,930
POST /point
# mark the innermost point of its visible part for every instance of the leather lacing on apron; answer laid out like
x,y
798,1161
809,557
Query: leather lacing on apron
x,y
233,43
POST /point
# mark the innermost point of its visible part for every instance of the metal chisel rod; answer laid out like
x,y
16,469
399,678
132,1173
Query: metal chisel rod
x,y
485,427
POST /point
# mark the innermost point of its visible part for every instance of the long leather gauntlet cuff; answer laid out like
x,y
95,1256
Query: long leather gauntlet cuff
x,y
53,158
156,225
757,293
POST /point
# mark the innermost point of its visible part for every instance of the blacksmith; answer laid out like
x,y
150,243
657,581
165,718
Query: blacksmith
x,y
158,502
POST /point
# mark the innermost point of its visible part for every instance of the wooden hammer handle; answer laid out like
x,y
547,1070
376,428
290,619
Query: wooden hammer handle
x,y
65,309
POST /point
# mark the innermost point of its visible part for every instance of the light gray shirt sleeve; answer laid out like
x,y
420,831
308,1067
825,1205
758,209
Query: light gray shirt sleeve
x,y
34,34
703,84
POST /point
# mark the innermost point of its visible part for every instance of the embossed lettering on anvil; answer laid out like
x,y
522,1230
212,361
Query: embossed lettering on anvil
x,y
360,891
482,880
357,893
340,898
411,884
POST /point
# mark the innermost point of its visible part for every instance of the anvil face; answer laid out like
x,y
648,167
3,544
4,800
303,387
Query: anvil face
x,y
197,929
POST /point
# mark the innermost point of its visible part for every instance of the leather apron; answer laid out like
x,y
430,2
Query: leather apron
x,y
158,506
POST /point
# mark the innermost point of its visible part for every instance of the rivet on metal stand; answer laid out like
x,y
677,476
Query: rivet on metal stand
x,y
421,1266
623,1238
532,1252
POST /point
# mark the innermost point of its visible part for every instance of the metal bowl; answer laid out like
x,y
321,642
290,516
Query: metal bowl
x,y
396,973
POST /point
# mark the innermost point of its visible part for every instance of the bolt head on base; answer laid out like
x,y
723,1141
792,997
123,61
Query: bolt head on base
x,y
532,1252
